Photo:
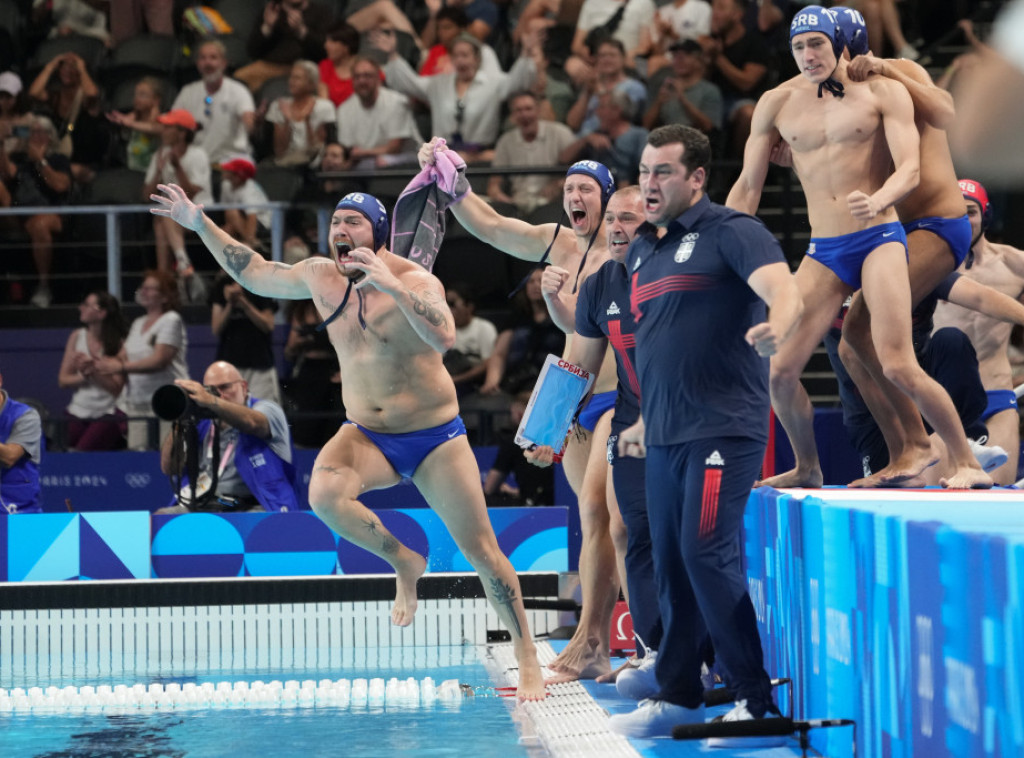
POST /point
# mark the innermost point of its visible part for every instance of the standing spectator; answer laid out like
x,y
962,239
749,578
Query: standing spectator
x,y
127,18
154,355
465,105
93,419
178,161
449,22
239,185
243,324
738,67
313,387
341,47
71,100
21,448
141,123
291,30
685,96
67,17
595,16
300,120
376,127
608,73
39,176
615,141
481,18
531,142
673,23
466,360
223,106
15,119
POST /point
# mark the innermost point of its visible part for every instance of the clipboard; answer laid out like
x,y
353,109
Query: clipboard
x,y
560,388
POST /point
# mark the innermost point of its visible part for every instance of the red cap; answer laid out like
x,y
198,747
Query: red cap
x,y
241,166
973,190
178,117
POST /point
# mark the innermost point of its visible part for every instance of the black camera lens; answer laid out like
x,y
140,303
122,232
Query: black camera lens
x,y
170,402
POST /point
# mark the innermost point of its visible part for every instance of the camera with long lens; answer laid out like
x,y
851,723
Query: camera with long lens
x,y
172,403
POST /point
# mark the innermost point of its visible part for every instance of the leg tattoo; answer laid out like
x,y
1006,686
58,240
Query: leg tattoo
x,y
504,595
388,544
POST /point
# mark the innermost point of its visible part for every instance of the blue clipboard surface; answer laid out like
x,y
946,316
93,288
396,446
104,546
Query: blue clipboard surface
x,y
556,396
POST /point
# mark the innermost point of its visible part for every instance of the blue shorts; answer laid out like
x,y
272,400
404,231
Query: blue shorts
x,y
955,232
406,451
999,401
844,255
598,405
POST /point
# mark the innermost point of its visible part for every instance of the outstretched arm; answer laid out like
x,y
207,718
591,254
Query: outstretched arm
x,y
975,296
247,267
935,105
745,194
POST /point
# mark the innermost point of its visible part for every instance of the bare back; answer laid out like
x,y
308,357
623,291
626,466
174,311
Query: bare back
x,y
392,381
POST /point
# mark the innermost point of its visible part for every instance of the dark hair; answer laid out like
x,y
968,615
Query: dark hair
x,y
112,329
454,14
366,59
696,146
617,44
464,290
346,34
522,93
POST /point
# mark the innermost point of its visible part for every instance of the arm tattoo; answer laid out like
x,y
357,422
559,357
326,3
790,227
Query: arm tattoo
x,y
388,544
504,595
328,469
238,258
428,311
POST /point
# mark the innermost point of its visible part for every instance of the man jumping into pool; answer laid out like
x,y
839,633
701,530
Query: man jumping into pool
x,y
389,323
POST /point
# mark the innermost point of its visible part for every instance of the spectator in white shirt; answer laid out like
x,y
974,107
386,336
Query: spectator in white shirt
x,y
301,119
240,186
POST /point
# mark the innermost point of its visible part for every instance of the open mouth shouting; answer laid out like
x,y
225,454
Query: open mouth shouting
x,y
578,219
345,260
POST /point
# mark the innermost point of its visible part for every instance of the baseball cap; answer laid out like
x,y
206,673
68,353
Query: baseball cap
x,y
690,46
10,82
240,165
178,117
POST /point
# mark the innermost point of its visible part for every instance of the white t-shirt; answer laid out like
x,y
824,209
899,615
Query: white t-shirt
x,y
169,329
298,141
387,119
1008,32
249,193
476,339
638,14
512,150
197,168
223,135
90,400
690,21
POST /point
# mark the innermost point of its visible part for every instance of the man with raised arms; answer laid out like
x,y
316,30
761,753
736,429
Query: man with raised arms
x,y
588,185
845,137
389,323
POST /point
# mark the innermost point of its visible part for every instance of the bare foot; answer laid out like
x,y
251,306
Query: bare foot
x,y
406,576
531,680
965,478
794,478
909,465
879,480
609,678
581,659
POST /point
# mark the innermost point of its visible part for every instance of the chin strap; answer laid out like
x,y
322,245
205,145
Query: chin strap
x,y
544,258
340,308
830,84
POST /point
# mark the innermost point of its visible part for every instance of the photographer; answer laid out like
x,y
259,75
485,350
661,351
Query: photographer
x,y
252,468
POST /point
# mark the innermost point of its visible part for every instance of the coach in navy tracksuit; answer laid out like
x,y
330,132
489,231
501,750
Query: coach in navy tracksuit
x,y
698,295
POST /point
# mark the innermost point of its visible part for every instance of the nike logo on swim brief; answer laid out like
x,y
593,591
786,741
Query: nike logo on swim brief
x,y
452,435
888,234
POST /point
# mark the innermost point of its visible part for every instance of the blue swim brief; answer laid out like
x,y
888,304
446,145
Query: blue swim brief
x,y
955,232
999,401
844,255
598,405
406,451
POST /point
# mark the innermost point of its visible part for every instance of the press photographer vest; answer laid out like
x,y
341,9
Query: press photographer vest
x,y
19,484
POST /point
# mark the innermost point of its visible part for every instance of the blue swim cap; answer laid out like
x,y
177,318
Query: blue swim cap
x,y
374,211
814,18
600,174
854,28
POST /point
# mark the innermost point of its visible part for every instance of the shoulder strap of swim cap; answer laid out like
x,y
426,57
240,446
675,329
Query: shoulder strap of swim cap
x,y
541,262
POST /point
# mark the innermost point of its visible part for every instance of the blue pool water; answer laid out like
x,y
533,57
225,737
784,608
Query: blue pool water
x,y
479,727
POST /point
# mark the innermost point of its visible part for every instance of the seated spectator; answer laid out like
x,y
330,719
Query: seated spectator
x,y
531,142
615,142
21,447
376,127
128,17
596,23
221,105
676,22
71,100
93,419
66,17
39,176
685,96
466,361
301,119
738,66
239,185
334,159
243,323
245,450
449,22
312,389
608,73
141,123
533,485
178,161
154,355
341,47
15,119
465,105
291,30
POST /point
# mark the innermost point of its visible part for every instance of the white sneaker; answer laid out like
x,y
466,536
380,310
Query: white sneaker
x,y
909,52
990,457
42,298
654,718
740,713
639,683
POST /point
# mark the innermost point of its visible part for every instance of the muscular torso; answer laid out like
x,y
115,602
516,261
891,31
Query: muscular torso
x,y
989,336
838,146
391,380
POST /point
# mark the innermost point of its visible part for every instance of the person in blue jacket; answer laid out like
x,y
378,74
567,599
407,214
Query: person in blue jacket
x,y
21,446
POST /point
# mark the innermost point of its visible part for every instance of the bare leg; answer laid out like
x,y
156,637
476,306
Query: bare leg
x,y
1004,430
822,293
381,12
347,466
586,655
41,229
450,481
